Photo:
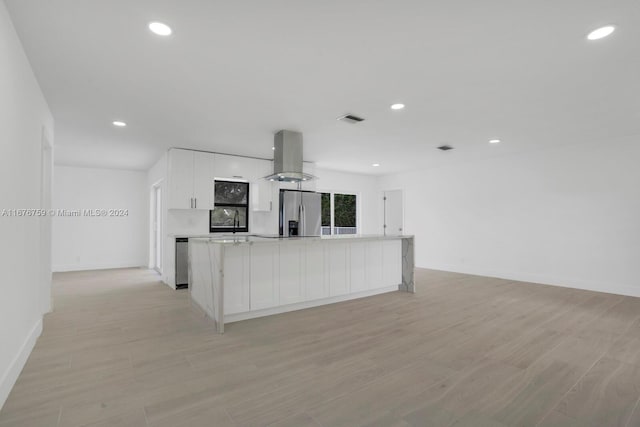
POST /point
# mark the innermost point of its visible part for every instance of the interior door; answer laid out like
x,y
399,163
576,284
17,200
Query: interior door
x,y
393,212
157,229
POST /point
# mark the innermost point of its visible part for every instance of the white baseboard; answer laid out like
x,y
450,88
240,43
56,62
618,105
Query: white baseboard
x,y
563,282
230,318
10,376
106,266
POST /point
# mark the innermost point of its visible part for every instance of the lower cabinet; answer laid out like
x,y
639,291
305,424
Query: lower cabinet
x,y
262,276
392,262
357,270
338,269
236,279
291,274
315,283
265,291
374,263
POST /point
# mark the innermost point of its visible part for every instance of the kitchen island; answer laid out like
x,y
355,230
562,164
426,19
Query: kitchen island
x,y
242,277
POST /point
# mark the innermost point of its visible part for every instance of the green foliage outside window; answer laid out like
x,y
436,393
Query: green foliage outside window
x,y
326,209
344,210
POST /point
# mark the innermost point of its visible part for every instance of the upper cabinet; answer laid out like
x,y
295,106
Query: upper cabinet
x,y
263,191
252,171
233,167
192,174
190,179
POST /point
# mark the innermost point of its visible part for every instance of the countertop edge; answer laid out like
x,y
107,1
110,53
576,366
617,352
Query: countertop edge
x,y
245,241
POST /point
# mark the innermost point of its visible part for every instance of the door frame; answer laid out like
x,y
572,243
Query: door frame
x,y
46,221
156,246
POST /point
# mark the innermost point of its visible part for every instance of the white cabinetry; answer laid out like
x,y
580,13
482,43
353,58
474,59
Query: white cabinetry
x,y
314,265
291,277
180,179
264,277
374,263
260,277
190,179
203,180
392,263
262,190
338,269
357,258
233,167
236,279
251,170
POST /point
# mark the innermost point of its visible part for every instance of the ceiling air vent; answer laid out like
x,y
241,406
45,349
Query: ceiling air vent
x,y
350,118
445,147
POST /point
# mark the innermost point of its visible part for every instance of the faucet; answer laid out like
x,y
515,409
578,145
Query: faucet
x,y
236,221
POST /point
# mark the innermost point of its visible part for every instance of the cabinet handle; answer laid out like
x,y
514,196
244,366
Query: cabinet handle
x,y
191,203
195,202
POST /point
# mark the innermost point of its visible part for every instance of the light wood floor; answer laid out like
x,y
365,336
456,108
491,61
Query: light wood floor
x,y
121,349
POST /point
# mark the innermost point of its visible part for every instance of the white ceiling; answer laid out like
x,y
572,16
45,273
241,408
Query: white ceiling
x,y
234,72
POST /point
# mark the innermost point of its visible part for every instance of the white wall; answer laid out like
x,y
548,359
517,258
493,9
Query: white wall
x,y
568,216
23,114
87,243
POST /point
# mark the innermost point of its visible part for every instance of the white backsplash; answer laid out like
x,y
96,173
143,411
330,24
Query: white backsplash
x,y
196,221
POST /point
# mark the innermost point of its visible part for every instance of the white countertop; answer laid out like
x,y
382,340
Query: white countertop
x,y
257,238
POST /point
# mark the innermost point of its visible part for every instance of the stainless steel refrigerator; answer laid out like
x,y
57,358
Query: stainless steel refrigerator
x,y
300,213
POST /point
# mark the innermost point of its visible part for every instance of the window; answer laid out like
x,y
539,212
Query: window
x,y
326,213
230,207
339,213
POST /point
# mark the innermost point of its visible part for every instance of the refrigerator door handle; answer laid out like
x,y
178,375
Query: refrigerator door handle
x,y
303,218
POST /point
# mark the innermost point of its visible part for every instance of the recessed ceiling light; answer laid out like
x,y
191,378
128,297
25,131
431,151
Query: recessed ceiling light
x,y
375,165
601,32
397,106
160,29
494,141
119,124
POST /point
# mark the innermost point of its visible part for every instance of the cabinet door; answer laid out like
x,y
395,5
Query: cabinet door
x,y
391,262
338,268
264,276
314,271
236,279
261,195
232,167
357,261
291,285
180,179
203,180
262,189
373,272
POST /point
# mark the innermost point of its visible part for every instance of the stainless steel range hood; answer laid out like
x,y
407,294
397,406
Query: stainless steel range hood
x,y
287,158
